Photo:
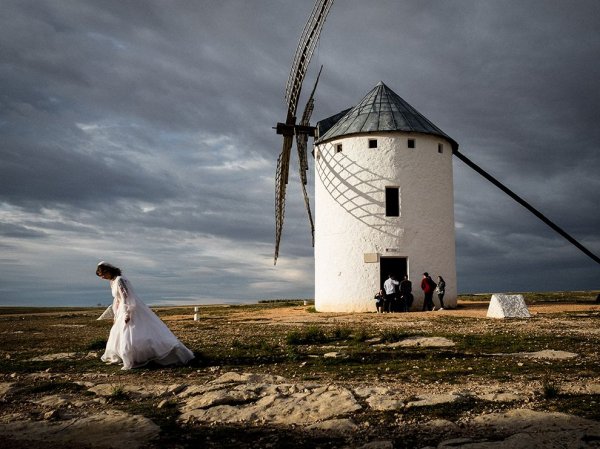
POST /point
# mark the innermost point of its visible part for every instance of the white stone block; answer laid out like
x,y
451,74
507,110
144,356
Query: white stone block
x,y
507,306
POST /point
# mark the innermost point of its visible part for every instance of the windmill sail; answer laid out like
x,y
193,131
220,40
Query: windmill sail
x,y
281,180
302,144
304,52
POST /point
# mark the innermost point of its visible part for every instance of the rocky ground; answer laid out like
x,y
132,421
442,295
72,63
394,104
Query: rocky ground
x,y
280,375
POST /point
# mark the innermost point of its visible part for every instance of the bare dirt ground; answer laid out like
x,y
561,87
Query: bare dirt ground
x,y
281,375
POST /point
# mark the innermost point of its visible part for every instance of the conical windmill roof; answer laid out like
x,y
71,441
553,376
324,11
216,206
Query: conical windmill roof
x,y
381,110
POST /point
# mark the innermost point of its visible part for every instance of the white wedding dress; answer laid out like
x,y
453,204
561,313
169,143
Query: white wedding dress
x,y
145,338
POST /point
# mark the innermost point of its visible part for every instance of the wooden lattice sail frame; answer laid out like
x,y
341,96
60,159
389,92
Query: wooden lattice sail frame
x,y
304,52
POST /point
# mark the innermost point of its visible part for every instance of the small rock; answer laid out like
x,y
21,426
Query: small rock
x,y
52,414
384,403
176,388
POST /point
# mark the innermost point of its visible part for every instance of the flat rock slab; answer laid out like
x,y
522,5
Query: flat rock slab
x,y
244,398
366,391
425,400
587,388
107,429
529,429
502,397
384,403
550,354
232,377
426,342
64,356
143,391
55,401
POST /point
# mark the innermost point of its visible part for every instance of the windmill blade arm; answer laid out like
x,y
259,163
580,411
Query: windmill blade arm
x,y
281,180
310,104
302,144
309,213
526,205
304,52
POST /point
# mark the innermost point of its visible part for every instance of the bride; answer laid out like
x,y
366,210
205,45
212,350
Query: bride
x,y
137,336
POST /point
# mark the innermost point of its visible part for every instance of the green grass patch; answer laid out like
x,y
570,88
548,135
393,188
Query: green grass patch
x,y
393,335
308,336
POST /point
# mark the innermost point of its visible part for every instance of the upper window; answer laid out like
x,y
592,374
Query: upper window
x,y
392,202
338,148
440,148
411,143
372,143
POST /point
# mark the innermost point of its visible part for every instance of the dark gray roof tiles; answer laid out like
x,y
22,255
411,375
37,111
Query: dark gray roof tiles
x,y
381,110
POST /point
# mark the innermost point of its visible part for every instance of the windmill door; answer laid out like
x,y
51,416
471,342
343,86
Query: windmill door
x,y
396,266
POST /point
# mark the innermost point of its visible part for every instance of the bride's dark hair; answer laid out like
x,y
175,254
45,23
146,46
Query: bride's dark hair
x,y
104,267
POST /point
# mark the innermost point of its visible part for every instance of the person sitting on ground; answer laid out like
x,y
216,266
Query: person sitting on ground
x,y
379,299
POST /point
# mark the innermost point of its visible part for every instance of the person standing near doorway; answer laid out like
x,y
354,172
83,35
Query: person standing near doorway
x,y
406,296
390,293
428,287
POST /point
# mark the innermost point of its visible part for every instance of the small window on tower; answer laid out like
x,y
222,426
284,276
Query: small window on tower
x,y
392,202
372,143
411,143
338,148
440,148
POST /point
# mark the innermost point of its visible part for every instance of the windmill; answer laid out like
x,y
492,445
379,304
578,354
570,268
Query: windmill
x,y
302,130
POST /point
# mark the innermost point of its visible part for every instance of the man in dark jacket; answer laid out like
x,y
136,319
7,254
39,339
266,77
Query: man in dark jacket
x,y
406,296
428,287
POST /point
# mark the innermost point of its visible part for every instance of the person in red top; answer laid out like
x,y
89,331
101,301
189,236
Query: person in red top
x,y
428,287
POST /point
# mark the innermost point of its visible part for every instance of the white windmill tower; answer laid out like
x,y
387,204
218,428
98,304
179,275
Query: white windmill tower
x,y
383,201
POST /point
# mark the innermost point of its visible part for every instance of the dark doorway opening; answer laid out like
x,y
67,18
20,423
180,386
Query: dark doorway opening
x,y
396,266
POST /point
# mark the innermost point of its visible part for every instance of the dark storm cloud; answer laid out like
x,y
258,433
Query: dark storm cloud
x,y
17,231
141,132
58,175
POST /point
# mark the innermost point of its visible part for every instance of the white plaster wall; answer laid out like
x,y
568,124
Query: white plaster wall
x,y
350,217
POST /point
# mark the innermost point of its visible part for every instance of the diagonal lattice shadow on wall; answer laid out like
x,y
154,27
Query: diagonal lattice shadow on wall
x,y
357,189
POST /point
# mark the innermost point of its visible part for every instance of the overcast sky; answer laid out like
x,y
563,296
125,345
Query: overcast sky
x,y
140,132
